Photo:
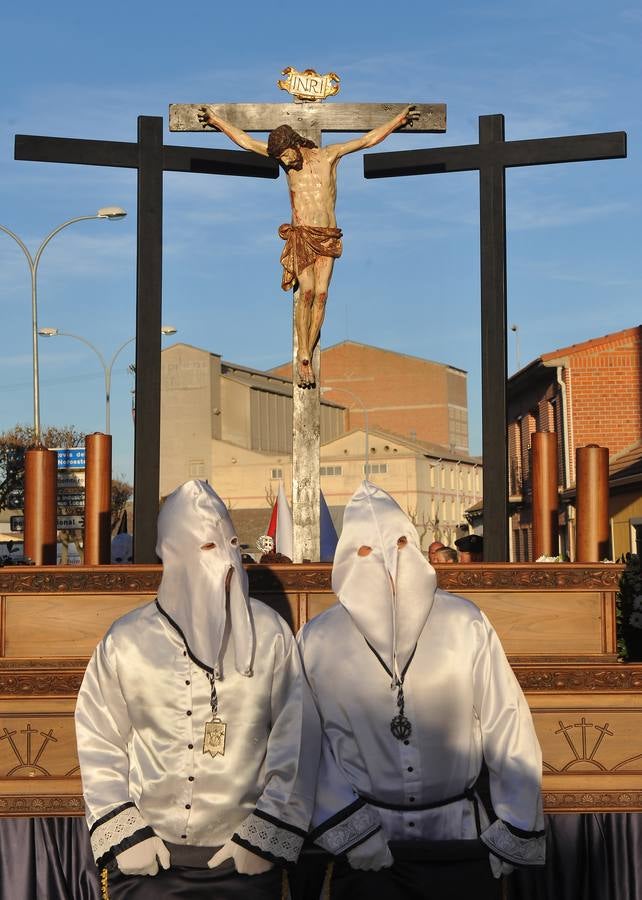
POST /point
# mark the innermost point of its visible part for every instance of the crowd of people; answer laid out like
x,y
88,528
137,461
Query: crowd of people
x,y
470,548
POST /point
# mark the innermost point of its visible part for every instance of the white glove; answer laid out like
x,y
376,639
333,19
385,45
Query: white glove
x,y
143,858
372,854
499,867
246,862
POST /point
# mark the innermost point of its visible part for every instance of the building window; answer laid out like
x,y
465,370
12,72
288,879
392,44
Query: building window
x,y
330,470
276,474
375,469
196,468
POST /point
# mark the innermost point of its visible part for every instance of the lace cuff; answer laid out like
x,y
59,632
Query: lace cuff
x,y
270,838
513,845
119,829
348,828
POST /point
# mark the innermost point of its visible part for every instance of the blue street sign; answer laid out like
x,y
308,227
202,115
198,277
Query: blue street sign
x,y
71,457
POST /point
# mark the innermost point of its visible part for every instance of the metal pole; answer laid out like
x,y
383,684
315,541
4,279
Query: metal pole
x,y
108,384
33,269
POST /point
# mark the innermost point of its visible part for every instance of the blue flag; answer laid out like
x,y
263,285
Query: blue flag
x,y
328,533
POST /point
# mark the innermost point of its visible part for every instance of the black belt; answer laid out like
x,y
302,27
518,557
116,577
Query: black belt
x,y
468,794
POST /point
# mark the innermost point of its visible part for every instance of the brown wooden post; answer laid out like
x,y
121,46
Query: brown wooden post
x,y
97,545
545,497
41,475
592,468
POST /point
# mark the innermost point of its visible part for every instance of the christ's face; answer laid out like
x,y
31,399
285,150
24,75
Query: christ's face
x,y
292,158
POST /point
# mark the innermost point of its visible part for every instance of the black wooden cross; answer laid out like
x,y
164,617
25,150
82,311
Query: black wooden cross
x,y
491,157
151,159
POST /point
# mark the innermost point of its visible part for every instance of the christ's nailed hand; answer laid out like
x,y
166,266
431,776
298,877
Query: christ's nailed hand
x,y
410,115
204,116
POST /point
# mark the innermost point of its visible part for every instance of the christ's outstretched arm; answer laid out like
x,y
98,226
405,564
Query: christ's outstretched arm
x,y
374,137
207,116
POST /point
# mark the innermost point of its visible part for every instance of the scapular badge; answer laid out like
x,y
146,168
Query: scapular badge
x,y
214,737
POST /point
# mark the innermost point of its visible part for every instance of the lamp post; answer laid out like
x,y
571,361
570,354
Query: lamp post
x,y
106,212
515,330
107,368
342,390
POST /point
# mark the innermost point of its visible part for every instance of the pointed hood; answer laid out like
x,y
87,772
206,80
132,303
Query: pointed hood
x,y
200,550
388,591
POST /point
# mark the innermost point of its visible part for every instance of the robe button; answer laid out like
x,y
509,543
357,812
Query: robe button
x,y
410,769
188,682
184,652
406,743
183,837
191,778
189,712
190,746
188,806
411,799
411,824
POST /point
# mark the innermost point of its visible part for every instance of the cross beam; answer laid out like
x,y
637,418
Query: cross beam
x,y
150,158
491,157
310,119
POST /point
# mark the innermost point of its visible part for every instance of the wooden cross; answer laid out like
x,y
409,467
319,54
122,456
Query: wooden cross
x,y
150,158
491,157
311,120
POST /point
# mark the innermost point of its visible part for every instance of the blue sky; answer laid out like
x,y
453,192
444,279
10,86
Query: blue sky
x,y
409,276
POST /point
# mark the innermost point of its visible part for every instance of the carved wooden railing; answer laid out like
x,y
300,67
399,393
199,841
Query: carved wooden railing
x,y
557,624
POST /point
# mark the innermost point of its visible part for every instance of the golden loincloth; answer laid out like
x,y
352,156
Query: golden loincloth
x,y
303,246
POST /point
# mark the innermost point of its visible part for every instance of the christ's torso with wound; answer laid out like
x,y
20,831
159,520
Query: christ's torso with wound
x,y
313,189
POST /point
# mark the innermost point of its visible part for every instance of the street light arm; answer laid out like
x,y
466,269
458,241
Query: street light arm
x,y
122,347
55,232
77,337
21,244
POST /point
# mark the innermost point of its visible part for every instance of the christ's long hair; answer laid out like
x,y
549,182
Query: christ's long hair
x,y
285,138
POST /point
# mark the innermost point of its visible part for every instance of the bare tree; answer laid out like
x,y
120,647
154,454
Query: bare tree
x,y
424,524
270,496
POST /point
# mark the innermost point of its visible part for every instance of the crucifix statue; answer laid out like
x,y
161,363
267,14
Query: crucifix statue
x,y
312,238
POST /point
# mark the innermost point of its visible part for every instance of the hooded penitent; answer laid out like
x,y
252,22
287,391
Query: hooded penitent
x,y
381,577
200,551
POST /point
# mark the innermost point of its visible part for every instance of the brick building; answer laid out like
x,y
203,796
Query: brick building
x,y
588,393
412,397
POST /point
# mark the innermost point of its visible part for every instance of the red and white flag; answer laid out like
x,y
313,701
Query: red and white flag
x,y
280,527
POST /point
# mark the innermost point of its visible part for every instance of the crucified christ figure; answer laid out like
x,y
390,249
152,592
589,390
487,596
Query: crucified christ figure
x,y
312,239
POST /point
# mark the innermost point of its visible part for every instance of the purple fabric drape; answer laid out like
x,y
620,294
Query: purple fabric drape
x,y
590,857
46,859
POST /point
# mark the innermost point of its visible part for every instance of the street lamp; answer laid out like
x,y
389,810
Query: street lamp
x,y
106,212
55,332
342,390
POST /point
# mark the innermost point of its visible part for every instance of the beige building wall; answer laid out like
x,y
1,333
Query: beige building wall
x,y
190,380
625,512
434,491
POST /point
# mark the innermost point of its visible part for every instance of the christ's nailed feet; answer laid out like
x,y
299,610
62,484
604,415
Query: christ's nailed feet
x,y
305,373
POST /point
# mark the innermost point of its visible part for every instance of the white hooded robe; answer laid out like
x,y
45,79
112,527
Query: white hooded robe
x,y
460,696
147,695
